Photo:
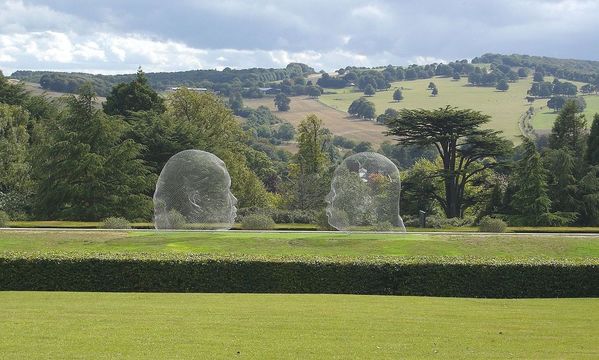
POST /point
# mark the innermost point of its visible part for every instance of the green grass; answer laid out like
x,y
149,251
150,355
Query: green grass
x,y
228,326
305,244
544,117
505,108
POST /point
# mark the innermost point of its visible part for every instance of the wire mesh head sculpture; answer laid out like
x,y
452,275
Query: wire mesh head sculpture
x,y
365,194
193,191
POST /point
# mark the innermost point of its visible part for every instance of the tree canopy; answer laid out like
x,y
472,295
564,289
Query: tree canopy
x,y
465,149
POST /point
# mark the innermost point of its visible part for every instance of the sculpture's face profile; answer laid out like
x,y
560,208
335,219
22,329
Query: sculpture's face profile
x,y
365,193
194,190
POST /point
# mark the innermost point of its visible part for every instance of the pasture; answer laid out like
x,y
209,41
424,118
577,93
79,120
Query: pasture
x,y
544,116
338,121
504,107
271,326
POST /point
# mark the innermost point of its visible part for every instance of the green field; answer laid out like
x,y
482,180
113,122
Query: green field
x,y
227,326
505,108
544,117
305,244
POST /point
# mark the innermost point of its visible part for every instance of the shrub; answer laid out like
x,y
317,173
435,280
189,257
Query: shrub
x,y
322,220
383,226
116,223
435,276
176,220
257,222
438,222
4,219
494,225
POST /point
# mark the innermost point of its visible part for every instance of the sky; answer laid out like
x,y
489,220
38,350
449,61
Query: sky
x,y
117,36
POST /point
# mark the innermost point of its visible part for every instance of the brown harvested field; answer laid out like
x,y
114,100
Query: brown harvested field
x,y
340,123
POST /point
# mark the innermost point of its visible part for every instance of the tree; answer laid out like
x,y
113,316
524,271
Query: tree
x,y
282,102
522,72
363,147
431,86
362,108
456,76
202,121
307,184
561,180
86,170
134,96
236,102
369,90
531,201
12,94
592,153
397,95
15,178
502,85
556,103
569,130
538,77
435,92
314,91
465,149
285,132
419,186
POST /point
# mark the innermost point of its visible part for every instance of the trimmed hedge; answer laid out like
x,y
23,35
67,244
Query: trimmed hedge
x,y
384,276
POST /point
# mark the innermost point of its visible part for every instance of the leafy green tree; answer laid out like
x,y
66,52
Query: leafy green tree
x,y
531,201
15,178
236,102
568,131
556,103
589,195
12,94
203,122
538,77
363,147
137,95
307,175
397,95
592,153
285,132
369,90
420,188
465,149
456,76
314,91
522,72
561,180
282,102
502,85
362,108
431,86
86,170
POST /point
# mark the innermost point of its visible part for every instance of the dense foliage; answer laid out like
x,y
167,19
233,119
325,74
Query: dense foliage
x,y
382,276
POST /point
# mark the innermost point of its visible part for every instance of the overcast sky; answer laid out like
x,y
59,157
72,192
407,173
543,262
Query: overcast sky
x,y
116,36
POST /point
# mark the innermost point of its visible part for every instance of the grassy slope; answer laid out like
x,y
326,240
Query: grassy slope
x,y
70,325
544,117
306,244
505,108
339,122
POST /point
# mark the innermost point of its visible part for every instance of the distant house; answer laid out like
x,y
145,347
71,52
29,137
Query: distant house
x,y
189,88
269,90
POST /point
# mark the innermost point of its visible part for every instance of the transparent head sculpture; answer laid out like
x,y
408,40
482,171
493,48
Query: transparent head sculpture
x,y
365,194
194,191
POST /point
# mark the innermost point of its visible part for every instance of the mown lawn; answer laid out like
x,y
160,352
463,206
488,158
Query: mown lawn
x,y
270,326
504,246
